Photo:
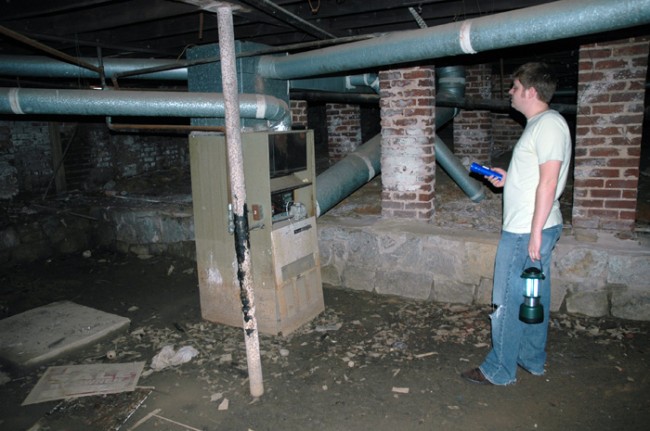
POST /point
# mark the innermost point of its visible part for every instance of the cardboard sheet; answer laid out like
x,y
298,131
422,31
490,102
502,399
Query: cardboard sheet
x,y
71,381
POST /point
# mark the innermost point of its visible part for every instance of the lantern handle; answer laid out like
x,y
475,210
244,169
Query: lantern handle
x,y
528,259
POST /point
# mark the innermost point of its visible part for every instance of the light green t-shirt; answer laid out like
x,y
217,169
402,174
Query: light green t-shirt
x,y
546,137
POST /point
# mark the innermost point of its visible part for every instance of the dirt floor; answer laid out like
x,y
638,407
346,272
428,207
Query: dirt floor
x,y
369,362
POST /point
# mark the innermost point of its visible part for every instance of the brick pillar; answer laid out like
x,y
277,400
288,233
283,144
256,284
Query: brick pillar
x,y
611,91
407,145
473,129
343,129
299,114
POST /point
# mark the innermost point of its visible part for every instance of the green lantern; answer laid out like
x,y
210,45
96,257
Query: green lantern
x,y
531,310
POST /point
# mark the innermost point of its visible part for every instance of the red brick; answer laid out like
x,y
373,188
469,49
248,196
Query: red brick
x,y
602,152
607,109
622,163
620,204
588,203
610,64
621,184
605,193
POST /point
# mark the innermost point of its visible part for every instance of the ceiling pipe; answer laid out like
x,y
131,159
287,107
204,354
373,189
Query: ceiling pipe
x,y
339,84
61,55
45,67
23,65
25,101
551,21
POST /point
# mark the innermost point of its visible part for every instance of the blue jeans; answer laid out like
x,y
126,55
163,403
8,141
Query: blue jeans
x,y
513,341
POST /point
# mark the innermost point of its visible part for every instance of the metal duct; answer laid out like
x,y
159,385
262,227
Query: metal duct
x,y
350,173
138,103
551,21
339,84
46,67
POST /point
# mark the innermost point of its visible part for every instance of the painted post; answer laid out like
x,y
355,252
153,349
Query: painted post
x,y
238,192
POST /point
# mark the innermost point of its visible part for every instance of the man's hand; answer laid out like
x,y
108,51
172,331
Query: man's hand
x,y
495,181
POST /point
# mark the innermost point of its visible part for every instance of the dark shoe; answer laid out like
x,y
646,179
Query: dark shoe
x,y
475,375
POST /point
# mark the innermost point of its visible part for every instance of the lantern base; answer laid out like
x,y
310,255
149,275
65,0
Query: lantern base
x,y
534,314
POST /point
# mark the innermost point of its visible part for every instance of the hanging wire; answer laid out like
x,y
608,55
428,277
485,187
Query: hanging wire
x,y
314,10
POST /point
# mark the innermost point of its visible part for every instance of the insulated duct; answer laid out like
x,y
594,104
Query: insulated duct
x,y
551,21
138,103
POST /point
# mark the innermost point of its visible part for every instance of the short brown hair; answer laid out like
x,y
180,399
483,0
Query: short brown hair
x,y
539,76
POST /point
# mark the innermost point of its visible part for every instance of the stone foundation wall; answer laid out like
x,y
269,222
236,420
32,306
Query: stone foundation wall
x,y
591,275
594,275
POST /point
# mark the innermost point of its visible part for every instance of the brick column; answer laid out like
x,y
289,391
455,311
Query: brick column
x,y
407,146
299,114
473,129
611,91
343,129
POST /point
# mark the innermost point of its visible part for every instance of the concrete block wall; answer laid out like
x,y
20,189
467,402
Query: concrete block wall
x,y
473,129
407,111
343,129
611,94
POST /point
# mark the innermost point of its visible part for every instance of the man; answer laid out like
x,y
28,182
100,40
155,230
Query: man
x,y
532,224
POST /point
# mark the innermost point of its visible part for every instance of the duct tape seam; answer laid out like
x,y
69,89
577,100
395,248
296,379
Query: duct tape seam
x,y
14,102
465,41
371,170
261,106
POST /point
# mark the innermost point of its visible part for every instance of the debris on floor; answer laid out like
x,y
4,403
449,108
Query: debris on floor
x,y
73,381
100,412
168,357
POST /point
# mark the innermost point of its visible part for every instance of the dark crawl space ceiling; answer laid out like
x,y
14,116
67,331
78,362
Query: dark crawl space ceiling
x,y
164,29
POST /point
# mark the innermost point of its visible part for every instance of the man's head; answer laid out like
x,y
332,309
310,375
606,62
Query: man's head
x,y
538,76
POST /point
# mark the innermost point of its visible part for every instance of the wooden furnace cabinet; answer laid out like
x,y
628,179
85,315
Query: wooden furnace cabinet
x,y
281,198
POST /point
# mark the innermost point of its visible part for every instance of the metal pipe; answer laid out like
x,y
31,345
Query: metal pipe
x,y
63,56
39,66
551,21
451,83
341,84
138,103
141,68
238,193
162,128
